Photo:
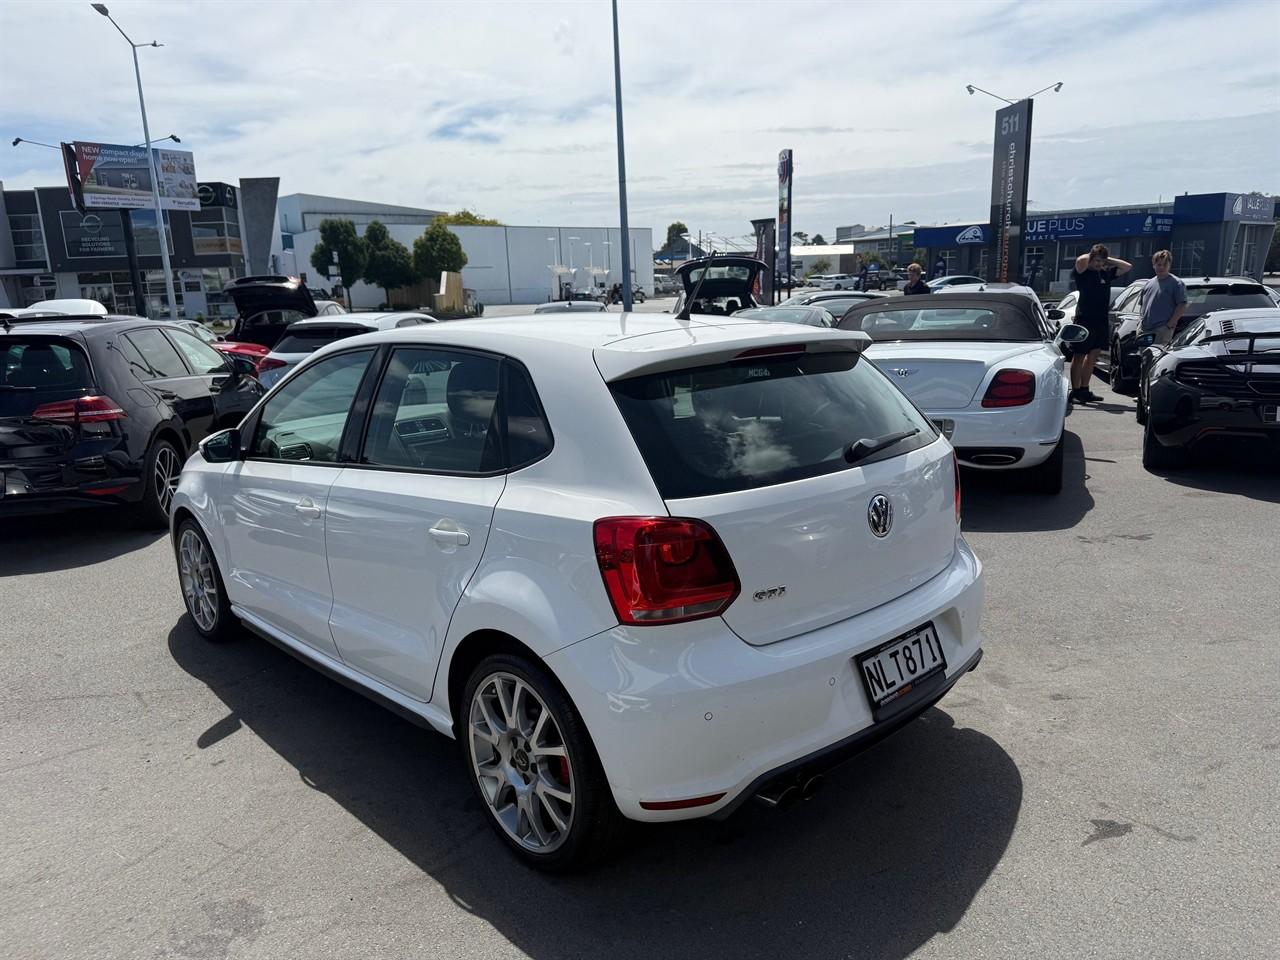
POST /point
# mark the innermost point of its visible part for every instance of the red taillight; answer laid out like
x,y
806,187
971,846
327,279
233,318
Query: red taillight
x,y
662,570
1011,388
82,409
955,463
270,363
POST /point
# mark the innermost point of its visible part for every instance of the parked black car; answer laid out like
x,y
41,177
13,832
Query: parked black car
x,y
1204,294
1220,377
106,409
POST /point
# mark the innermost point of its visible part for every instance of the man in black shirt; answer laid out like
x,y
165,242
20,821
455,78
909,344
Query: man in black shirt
x,y
1094,273
915,283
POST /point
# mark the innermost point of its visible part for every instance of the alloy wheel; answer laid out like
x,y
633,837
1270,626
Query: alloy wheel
x,y
199,584
167,471
521,763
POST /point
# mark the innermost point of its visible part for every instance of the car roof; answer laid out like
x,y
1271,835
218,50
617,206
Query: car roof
x,y
843,294
368,319
618,344
1017,289
84,325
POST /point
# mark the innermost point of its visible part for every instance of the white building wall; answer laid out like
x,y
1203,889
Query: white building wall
x,y
505,264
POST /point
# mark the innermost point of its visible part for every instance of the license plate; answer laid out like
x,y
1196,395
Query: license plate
x,y
1271,413
948,427
895,668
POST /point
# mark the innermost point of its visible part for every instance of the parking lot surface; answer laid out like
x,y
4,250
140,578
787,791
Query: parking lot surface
x,y
1104,785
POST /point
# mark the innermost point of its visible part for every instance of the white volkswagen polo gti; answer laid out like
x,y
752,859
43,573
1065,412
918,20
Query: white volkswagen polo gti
x,y
640,567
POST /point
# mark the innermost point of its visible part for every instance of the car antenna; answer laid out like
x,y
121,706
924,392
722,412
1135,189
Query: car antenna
x,y
688,304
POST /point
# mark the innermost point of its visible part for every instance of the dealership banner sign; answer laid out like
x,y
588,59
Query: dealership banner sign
x,y
1009,169
117,176
765,231
784,216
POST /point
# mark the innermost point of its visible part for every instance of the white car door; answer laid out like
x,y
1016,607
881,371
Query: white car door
x,y
273,502
407,524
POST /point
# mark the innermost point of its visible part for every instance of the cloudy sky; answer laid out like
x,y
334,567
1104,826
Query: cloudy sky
x,y
507,108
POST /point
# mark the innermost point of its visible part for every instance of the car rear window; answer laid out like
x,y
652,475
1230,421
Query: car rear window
x,y
309,339
35,372
973,322
1226,296
762,421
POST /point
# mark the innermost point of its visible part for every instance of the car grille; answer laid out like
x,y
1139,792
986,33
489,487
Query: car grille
x,y
1225,382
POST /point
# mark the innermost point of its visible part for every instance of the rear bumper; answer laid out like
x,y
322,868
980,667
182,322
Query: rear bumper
x,y
32,489
1023,436
1182,416
691,711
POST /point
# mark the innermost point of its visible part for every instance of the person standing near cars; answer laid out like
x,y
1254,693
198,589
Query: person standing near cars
x,y
915,282
862,275
1163,299
1094,274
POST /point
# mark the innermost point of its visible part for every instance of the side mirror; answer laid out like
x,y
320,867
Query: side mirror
x,y
1056,314
222,447
1073,333
241,366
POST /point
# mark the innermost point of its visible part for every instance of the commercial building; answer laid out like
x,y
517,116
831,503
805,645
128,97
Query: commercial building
x,y
504,264
1219,234
49,250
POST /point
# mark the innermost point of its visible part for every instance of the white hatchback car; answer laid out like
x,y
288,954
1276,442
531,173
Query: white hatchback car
x,y
304,337
641,567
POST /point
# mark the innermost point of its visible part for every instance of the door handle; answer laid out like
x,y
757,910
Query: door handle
x,y
449,536
307,509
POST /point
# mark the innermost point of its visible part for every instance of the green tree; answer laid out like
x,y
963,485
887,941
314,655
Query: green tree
x,y
339,236
801,237
821,265
437,251
466,218
388,264
818,240
674,231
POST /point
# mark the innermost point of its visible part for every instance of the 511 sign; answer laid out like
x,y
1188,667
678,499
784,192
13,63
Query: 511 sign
x,y
1009,168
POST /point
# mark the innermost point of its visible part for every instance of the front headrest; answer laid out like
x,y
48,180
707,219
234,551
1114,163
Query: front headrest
x,y
472,390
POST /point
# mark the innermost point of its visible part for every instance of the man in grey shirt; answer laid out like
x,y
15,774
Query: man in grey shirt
x,y
1164,299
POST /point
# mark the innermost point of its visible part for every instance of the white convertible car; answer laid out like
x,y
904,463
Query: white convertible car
x,y
987,368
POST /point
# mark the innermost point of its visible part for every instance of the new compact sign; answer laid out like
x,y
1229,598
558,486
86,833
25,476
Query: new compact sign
x,y
1009,188
117,176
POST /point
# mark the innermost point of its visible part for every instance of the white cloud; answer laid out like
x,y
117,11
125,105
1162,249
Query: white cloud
x,y
507,107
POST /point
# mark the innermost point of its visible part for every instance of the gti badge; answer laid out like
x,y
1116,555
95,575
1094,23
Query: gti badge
x,y
769,594
880,515
901,372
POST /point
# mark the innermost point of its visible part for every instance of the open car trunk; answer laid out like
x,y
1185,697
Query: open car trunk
x,y
265,306
729,279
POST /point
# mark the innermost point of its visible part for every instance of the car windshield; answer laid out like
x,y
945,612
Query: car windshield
x,y
34,372
783,315
752,423
1226,296
309,339
984,323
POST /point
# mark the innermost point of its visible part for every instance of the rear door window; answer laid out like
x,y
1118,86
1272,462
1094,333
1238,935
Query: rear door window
x,y
756,422
160,355
201,358
35,372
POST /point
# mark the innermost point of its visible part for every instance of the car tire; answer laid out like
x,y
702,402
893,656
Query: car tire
x,y
1119,383
161,468
1155,455
1046,477
496,733
200,580
1141,412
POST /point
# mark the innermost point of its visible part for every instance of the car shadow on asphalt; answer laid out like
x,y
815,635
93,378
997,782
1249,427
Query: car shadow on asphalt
x,y
1231,468
64,541
999,502
889,854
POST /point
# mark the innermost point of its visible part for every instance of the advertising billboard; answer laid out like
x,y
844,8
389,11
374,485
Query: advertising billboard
x,y
1009,168
784,216
117,176
765,231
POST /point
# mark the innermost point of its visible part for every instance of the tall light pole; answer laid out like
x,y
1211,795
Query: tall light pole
x,y
591,266
608,261
161,233
572,241
622,167
555,269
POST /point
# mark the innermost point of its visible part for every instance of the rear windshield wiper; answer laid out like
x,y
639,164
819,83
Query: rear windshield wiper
x,y
861,449
10,386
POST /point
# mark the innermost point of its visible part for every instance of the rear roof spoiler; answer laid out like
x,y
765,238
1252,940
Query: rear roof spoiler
x,y
623,364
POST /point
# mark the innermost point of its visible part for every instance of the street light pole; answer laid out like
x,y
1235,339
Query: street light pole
x,y
622,167
161,233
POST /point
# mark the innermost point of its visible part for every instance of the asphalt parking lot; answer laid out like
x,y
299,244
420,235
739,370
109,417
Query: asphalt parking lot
x,y
1104,785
